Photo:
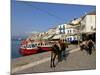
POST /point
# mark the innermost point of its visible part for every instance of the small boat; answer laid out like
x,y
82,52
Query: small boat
x,y
28,49
33,47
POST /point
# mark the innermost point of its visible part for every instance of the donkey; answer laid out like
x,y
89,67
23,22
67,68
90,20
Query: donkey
x,y
88,46
55,52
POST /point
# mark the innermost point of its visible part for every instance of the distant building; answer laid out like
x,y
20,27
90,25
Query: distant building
x,y
52,31
76,21
57,30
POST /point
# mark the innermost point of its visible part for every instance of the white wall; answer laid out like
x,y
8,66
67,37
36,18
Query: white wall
x,y
90,22
51,31
57,30
73,31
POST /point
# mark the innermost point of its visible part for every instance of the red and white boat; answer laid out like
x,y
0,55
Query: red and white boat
x,y
32,47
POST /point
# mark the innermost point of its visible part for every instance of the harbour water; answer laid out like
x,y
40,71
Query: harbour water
x,y
15,44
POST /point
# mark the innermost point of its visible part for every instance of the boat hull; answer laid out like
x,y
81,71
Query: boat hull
x,y
25,52
45,48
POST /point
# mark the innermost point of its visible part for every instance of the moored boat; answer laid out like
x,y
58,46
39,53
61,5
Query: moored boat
x,y
28,49
33,47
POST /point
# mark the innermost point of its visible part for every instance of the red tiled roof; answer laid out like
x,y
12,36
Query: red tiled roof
x,y
92,13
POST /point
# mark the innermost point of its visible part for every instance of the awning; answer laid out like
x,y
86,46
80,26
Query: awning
x,y
57,37
88,32
35,38
47,37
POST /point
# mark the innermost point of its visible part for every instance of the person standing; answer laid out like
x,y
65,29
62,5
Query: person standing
x,y
59,53
90,46
62,49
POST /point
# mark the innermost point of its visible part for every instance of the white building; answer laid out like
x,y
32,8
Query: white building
x,y
69,31
57,30
76,21
66,29
52,31
61,29
88,23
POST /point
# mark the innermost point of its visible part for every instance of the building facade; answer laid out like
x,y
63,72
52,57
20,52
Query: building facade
x,y
69,31
88,24
52,31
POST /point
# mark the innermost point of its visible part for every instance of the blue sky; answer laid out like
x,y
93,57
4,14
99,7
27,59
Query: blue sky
x,y
28,17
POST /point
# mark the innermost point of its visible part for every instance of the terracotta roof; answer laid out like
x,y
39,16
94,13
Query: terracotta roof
x,y
92,13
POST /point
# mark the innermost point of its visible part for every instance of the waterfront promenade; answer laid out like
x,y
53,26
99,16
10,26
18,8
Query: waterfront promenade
x,y
41,62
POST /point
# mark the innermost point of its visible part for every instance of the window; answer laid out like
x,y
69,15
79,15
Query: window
x,y
36,44
63,27
39,44
74,38
29,46
91,27
70,31
60,28
33,45
63,31
67,39
70,39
